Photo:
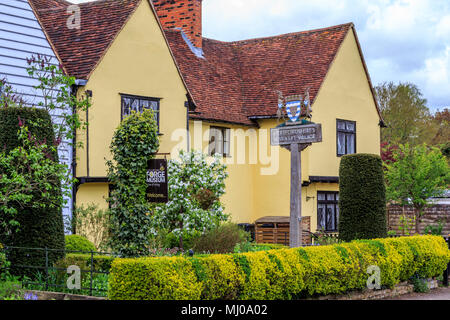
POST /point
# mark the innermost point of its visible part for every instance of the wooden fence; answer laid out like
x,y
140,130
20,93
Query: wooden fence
x,y
276,230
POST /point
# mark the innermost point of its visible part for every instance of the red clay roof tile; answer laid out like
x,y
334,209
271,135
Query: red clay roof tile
x,y
239,80
81,49
234,82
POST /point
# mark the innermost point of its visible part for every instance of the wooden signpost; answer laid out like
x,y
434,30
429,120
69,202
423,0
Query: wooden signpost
x,y
296,138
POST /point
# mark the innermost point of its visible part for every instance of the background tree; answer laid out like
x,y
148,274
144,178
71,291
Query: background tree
x,y
195,188
417,174
441,120
362,198
406,115
133,144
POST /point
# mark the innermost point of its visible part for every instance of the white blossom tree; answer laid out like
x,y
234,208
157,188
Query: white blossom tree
x,y
195,188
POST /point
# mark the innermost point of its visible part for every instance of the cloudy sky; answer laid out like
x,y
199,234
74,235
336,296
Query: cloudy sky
x,y
402,40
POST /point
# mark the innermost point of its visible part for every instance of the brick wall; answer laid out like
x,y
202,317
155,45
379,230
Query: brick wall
x,y
184,14
432,216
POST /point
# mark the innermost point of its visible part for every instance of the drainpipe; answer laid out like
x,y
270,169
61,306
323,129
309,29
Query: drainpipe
x,y
189,107
73,91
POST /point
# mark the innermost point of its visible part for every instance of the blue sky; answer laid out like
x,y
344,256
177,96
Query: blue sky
x,y
402,40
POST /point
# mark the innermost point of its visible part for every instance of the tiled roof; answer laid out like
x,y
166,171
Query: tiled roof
x,y
45,4
233,83
238,80
80,50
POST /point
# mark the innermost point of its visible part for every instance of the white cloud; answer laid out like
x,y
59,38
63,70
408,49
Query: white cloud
x,y
402,40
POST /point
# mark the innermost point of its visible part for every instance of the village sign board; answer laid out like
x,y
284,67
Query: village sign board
x,y
300,134
296,138
295,135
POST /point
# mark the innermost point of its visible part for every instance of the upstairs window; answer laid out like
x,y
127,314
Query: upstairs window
x,y
219,141
327,211
346,137
135,103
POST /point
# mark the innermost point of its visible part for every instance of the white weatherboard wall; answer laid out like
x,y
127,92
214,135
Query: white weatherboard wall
x,y
21,37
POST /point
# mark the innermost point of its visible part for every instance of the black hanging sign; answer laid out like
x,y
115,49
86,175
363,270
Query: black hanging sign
x,y
157,181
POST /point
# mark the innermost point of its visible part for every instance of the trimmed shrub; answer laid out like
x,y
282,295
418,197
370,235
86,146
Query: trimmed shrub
x,y
75,242
362,198
222,239
278,274
161,278
38,121
102,263
39,227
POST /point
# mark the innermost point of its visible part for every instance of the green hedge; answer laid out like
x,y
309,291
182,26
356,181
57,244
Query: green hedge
x,y
39,227
76,242
278,274
102,263
362,198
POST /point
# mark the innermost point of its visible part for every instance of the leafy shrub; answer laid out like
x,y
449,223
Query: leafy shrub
x,y
254,247
323,238
162,278
278,274
134,142
195,189
4,263
169,240
434,230
40,227
76,242
420,284
93,224
10,290
102,263
222,239
362,198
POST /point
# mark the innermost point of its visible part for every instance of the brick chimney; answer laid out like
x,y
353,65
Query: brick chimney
x,y
184,14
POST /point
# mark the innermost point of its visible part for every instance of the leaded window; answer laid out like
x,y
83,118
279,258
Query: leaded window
x,y
346,137
327,211
139,104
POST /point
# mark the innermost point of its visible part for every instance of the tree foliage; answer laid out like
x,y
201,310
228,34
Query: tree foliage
x,y
56,88
195,188
417,174
133,144
405,113
29,178
30,188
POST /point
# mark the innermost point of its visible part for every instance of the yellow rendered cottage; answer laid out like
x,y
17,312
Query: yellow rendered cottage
x,y
218,97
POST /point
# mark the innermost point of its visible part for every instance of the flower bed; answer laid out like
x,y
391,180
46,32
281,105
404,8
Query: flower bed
x,y
278,274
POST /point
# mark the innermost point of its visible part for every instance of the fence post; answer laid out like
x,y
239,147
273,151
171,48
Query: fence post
x,y
92,271
46,269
